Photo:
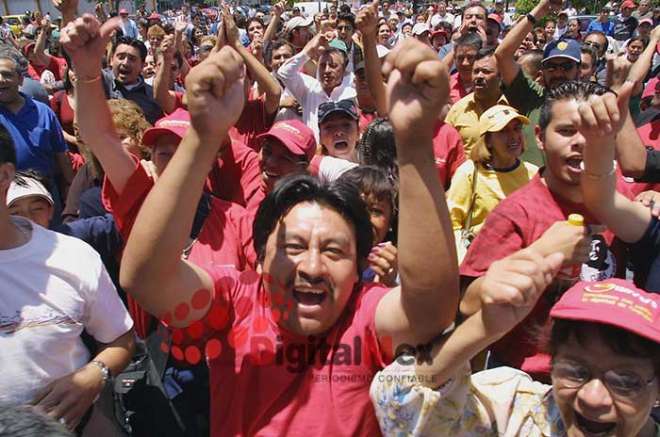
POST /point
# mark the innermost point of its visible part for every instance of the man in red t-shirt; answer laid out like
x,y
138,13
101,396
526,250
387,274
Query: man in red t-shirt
x,y
541,209
301,336
39,60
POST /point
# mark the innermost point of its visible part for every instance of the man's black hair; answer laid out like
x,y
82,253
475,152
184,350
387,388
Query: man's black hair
x,y
598,32
133,43
7,149
347,17
573,89
339,196
470,39
485,52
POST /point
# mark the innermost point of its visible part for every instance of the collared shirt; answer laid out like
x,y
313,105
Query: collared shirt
x,y
141,93
309,92
456,89
464,116
37,135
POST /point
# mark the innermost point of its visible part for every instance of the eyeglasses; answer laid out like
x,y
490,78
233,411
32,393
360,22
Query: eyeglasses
x,y
564,66
593,44
625,385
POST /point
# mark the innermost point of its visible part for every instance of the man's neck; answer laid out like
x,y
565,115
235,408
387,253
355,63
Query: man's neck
x,y
485,101
572,193
15,105
11,236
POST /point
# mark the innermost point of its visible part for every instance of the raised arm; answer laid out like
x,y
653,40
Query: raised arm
x,y
40,45
291,71
162,93
367,24
68,9
511,288
85,40
257,71
641,67
508,67
425,304
152,268
273,24
601,122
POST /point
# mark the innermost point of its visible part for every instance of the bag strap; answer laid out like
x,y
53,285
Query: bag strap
x,y
473,197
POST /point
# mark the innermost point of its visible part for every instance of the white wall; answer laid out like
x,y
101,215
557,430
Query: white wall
x,y
20,6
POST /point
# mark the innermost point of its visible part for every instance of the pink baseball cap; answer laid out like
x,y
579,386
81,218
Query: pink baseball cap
x,y
628,4
651,88
612,302
123,11
295,136
176,123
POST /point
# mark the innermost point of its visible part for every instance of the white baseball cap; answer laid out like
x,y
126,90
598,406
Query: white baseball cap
x,y
419,29
296,22
29,187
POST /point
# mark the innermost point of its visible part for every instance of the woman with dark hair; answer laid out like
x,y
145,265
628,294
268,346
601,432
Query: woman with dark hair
x,y
377,147
379,192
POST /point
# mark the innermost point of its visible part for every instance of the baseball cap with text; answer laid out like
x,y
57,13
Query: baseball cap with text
x,y
176,123
565,48
295,136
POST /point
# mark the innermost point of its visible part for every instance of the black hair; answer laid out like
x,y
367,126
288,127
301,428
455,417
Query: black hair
x,y
470,39
618,340
133,43
257,19
580,90
21,176
598,32
331,50
485,52
347,17
7,148
339,196
378,147
591,51
345,9
644,40
275,45
26,421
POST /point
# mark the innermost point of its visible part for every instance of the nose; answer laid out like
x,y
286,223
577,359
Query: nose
x,y
595,396
311,267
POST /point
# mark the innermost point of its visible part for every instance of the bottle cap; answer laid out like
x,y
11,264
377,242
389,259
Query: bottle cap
x,y
576,220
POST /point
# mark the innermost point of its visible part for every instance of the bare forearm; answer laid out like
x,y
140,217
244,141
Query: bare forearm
x,y
427,257
471,302
267,83
372,69
271,29
161,87
98,133
117,355
630,150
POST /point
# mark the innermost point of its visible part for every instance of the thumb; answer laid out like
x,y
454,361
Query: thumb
x,y
108,28
624,94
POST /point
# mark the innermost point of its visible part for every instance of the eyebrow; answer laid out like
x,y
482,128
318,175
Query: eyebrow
x,y
337,239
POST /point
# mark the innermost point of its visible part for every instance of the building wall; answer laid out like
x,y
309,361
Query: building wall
x,y
16,7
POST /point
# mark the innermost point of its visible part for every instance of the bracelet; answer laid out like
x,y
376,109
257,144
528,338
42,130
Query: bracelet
x,y
531,18
104,369
598,177
92,80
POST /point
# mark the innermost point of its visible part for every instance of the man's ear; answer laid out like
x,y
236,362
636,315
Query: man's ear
x,y
540,137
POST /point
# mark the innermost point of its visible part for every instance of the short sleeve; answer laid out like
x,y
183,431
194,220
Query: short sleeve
x,y
57,138
459,195
106,318
523,94
500,236
365,321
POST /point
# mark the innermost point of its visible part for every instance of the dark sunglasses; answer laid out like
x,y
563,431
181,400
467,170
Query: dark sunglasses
x,y
564,66
593,44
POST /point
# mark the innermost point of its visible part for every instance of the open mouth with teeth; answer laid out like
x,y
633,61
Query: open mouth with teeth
x,y
575,163
592,428
309,297
341,146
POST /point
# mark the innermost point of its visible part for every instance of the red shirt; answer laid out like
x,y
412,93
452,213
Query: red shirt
x,y
365,119
514,224
267,381
236,176
650,135
56,65
254,120
448,151
225,239
456,89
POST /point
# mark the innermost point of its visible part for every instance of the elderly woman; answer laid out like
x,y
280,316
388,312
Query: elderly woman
x,y
494,171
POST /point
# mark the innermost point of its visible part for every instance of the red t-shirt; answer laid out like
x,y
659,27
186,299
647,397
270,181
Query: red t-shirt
x,y
514,224
254,120
236,176
225,239
650,135
365,119
448,151
56,65
268,381
456,89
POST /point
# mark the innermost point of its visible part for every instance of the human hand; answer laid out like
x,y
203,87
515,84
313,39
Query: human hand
x,y
367,19
278,9
512,286
180,24
417,90
168,48
231,30
573,242
314,47
215,93
602,117
66,5
68,398
650,199
383,260
85,40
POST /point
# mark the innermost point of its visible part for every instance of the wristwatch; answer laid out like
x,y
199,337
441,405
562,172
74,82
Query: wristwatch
x,y
104,370
531,18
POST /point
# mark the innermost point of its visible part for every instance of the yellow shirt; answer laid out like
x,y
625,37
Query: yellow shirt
x,y
492,187
464,116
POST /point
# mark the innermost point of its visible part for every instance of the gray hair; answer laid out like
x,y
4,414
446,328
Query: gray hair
x,y
8,52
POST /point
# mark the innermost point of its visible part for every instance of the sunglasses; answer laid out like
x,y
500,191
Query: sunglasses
x,y
564,66
593,44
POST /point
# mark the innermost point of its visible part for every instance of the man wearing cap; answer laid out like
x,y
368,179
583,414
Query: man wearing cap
x,y
438,39
331,82
624,23
493,30
297,32
560,63
420,31
54,287
505,17
127,26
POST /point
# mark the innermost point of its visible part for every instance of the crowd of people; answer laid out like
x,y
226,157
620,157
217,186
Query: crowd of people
x,y
374,219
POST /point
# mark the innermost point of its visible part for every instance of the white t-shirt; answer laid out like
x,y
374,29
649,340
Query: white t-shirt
x,y
51,288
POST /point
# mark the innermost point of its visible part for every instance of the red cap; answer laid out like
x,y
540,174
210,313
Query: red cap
x,y
496,18
628,4
295,136
153,16
612,302
438,32
123,11
176,123
651,88
27,48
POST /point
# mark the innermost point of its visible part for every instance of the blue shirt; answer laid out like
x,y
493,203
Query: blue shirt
x,y
606,28
37,135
